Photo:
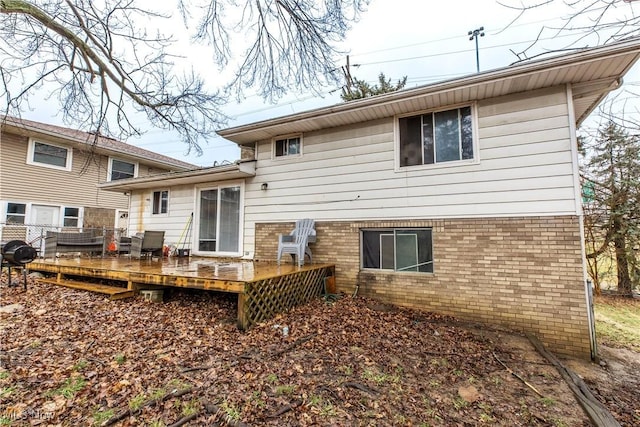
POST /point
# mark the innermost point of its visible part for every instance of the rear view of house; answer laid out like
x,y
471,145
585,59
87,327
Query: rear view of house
x,y
460,197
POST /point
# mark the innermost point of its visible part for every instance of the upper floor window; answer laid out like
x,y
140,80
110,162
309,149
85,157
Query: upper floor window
x,y
49,155
437,137
160,202
290,146
119,169
16,213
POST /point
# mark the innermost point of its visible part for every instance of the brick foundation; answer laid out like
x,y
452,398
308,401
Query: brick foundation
x,y
524,273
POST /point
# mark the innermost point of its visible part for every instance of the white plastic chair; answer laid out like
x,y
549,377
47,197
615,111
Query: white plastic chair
x,y
296,243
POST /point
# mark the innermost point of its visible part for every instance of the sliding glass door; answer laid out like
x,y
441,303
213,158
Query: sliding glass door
x,y
219,219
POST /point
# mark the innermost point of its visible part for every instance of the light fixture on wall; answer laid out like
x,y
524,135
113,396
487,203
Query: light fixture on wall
x,y
264,186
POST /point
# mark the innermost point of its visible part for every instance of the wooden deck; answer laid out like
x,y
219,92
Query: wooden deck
x,y
264,289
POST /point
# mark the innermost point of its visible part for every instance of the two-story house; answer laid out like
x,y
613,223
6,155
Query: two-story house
x,y
49,176
460,197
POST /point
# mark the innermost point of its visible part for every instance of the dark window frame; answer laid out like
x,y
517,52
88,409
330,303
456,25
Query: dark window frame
x,y
437,137
399,249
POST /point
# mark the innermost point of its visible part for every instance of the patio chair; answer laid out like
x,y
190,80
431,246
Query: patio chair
x,y
297,242
147,243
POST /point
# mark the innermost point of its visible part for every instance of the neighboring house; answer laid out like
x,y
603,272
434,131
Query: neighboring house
x,y
459,197
49,176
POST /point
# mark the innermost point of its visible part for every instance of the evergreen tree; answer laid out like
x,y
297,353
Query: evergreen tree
x,y
361,89
612,168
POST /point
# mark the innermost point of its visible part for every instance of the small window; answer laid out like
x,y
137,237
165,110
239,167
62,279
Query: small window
x,y
288,146
16,213
438,137
71,217
49,155
160,202
398,249
119,169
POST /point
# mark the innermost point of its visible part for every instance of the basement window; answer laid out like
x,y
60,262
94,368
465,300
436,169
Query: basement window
x,y
399,249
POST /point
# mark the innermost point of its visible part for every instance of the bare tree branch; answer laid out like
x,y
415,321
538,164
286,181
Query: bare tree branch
x,y
605,20
101,66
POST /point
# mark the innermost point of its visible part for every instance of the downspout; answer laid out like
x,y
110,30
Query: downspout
x,y
580,214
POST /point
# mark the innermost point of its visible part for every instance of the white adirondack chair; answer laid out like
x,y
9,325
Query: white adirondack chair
x,y
296,243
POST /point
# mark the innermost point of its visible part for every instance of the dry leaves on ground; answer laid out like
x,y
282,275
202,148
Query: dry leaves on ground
x,y
75,358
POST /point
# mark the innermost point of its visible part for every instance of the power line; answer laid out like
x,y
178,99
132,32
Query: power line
x,y
546,20
455,52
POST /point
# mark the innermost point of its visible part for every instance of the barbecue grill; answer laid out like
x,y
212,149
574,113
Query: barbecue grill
x,y
17,254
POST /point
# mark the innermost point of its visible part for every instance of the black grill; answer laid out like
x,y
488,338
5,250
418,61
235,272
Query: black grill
x,y
16,253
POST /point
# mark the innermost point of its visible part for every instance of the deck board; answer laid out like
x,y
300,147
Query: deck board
x,y
258,284
114,292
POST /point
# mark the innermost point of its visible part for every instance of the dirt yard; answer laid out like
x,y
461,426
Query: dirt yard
x,y
73,358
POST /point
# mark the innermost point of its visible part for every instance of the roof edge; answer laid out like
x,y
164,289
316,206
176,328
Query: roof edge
x,y
582,55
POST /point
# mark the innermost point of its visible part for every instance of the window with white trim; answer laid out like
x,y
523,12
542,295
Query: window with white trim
x,y
436,137
160,202
398,249
219,219
49,155
16,213
290,146
71,217
120,169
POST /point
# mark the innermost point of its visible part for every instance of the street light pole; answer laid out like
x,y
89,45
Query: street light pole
x,y
479,32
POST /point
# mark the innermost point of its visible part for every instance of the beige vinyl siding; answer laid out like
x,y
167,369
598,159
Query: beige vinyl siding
x,y
181,204
347,173
38,184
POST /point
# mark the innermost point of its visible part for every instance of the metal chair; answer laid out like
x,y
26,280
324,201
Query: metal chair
x,y
297,242
149,242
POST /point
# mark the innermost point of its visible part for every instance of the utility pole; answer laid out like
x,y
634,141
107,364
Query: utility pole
x,y
479,32
347,76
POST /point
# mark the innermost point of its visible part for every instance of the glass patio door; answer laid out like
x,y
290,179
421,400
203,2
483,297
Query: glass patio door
x,y
219,220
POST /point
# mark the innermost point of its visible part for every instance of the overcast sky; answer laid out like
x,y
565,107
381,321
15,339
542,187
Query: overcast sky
x,y
425,41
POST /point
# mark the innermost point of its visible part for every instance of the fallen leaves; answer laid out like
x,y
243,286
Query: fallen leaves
x,y
85,360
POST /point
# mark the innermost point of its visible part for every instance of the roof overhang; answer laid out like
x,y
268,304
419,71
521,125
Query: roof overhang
x,y
236,170
592,74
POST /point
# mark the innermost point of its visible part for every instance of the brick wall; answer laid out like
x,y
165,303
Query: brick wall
x,y
524,273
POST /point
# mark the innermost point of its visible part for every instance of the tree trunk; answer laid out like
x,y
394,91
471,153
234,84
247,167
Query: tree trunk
x,y
624,279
